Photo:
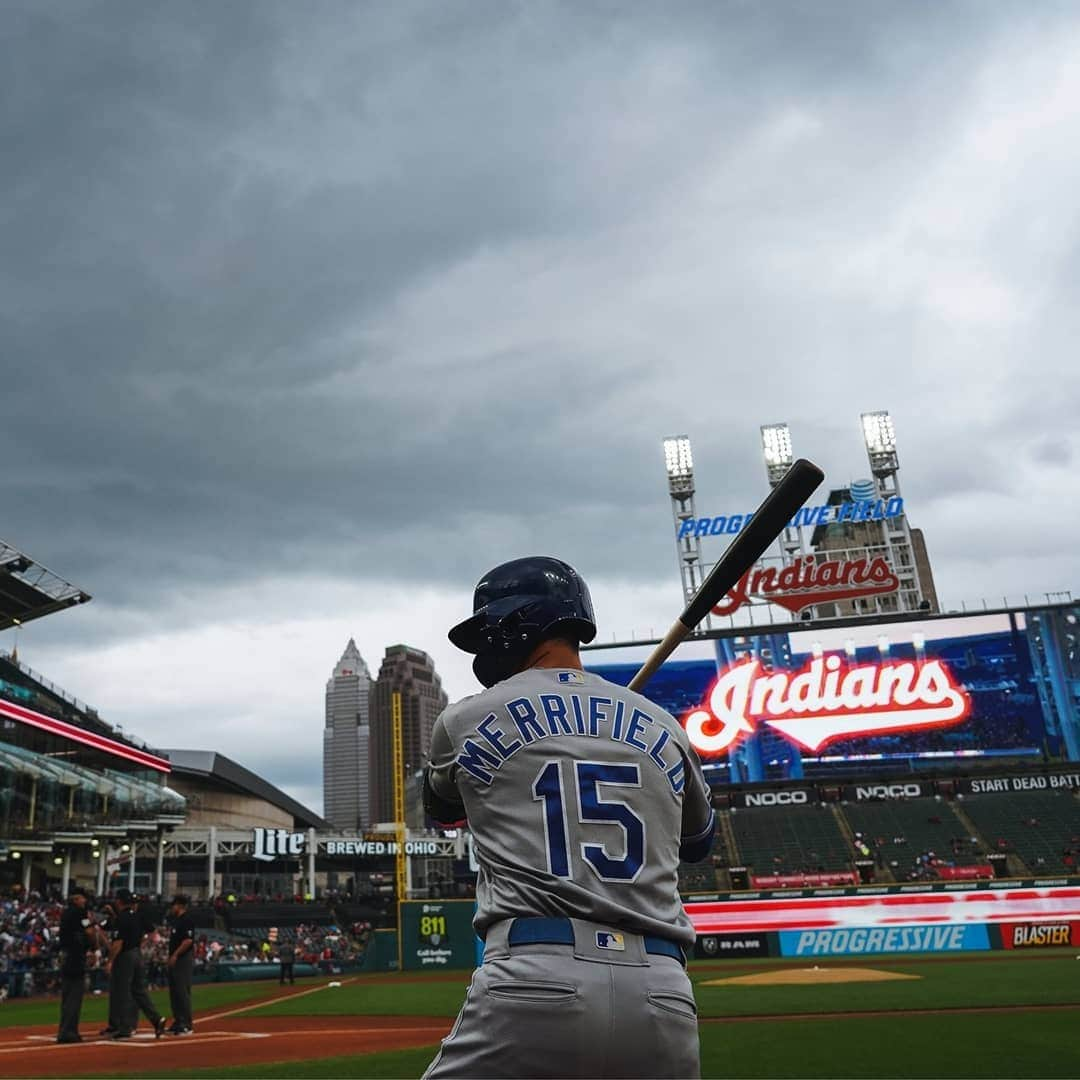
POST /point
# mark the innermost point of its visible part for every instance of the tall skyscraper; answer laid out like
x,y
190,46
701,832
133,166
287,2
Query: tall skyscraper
x,y
345,742
412,673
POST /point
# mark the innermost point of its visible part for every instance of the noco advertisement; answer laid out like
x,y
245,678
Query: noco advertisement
x,y
969,686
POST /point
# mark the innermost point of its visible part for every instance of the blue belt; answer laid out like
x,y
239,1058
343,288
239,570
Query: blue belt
x,y
558,931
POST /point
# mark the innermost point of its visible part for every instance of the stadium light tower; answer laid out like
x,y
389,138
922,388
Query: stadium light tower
x,y
879,435
776,448
679,462
880,438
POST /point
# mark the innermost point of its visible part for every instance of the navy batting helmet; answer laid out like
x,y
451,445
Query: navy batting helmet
x,y
515,607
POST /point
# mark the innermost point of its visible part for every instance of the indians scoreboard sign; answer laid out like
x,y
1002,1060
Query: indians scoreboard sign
x,y
808,581
830,697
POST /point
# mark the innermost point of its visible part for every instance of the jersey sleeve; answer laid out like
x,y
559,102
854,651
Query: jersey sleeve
x,y
698,815
442,800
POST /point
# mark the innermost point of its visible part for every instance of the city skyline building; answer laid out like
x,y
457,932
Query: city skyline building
x,y
411,672
346,742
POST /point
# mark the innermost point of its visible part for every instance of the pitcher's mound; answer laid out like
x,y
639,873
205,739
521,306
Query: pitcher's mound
x,y
814,976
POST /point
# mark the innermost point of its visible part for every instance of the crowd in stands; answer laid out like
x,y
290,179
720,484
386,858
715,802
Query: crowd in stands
x,y
29,943
30,950
905,864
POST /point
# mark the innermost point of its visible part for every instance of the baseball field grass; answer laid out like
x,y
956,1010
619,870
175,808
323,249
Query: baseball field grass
x,y
986,1016
43,1010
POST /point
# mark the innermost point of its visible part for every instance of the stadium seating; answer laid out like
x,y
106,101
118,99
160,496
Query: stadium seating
x,y
245,916
787,840
1034,825
697,877
921,826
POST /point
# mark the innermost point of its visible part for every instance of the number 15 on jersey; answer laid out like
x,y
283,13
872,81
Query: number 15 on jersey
x,y
594,787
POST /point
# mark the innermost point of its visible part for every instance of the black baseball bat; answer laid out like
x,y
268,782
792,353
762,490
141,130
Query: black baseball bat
x,y
767,523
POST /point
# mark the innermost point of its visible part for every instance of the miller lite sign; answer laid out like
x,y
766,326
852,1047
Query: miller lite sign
x,y
826,699
270,844
806,582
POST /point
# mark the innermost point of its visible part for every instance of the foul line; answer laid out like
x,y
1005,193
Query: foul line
x,y
269,1001
21,1045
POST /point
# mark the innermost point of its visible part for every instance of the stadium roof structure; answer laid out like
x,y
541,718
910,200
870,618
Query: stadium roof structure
x,y
210,765
28,590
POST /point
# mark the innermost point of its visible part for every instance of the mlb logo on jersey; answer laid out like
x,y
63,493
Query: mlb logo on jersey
x,y
605,939
572,677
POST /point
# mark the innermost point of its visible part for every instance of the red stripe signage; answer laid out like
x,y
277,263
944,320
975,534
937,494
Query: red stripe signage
x,y
1006,906
80,735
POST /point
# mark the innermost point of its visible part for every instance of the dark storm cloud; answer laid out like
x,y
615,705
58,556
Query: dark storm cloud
x,y
376,295
230,235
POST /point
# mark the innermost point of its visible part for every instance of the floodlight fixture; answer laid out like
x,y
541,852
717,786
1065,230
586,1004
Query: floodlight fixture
x,y
677,456
776,446
880,438
680,465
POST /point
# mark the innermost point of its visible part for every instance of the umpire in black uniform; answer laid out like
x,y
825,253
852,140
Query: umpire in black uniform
x,y
77,935
180,965
127,978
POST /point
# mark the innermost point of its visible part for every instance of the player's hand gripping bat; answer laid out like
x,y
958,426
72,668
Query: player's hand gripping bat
x,y
779,507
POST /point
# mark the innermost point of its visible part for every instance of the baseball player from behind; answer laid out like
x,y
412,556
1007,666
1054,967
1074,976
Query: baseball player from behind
x,y
581,796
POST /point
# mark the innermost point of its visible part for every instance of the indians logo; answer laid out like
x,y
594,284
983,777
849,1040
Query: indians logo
x,y
807,581
824,700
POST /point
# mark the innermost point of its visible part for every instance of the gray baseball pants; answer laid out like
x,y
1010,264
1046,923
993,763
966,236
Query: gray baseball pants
x,y
542,1010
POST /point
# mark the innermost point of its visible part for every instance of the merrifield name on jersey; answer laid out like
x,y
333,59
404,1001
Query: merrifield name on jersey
x,y
555,716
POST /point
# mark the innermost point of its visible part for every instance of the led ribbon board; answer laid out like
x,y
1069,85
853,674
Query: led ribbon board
x,y
81,735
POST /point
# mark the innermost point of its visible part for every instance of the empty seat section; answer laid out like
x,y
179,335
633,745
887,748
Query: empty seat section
x,y
790,840
1041,827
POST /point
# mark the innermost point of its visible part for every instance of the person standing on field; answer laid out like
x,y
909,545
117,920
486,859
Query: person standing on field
x,y
78,935
287,957
582,797
180,964
127,980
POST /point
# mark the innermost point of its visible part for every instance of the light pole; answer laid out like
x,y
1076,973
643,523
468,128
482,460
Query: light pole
x,y
776,448
879,435
680,472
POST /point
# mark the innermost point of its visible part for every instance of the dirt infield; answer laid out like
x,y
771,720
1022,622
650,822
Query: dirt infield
x,y
814,976
227,1037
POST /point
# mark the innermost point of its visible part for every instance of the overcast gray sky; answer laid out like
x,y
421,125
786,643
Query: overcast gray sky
x,y
312,312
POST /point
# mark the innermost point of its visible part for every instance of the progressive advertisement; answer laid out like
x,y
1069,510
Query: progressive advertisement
x,y
867,940
887,921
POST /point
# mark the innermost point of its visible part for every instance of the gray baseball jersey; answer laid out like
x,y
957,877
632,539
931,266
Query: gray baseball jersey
x,y
579,793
